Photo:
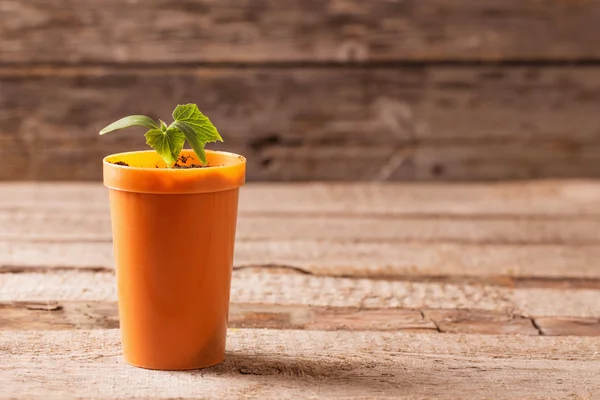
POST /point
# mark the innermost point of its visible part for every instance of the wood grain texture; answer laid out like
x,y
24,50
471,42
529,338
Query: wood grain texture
x,y
568,325
317,322
90,225
51,315
497,264
538,200
65,315
481,322
493,232
288,31
294,364
416,123
266,287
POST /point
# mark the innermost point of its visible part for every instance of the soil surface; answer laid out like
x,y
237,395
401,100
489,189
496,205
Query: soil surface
x,y
184,166
180,164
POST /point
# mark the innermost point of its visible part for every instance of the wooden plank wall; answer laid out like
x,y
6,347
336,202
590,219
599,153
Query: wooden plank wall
x,y
309,90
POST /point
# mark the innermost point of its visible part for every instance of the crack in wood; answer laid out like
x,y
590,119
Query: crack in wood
x,y
437,327
561,326
21,315
291,268
24,269
536,326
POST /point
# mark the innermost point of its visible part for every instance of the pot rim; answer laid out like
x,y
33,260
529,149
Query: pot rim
x,y
241,159
229,175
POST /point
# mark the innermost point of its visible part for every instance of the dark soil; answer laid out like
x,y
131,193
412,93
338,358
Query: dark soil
x,y
183,165
180,164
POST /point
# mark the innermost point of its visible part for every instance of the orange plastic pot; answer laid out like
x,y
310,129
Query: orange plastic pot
x,y
173,235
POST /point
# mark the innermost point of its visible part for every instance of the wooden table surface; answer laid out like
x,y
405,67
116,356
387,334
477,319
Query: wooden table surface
x,y
339,291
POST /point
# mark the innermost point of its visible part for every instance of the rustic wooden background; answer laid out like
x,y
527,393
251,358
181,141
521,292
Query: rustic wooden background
x,y
309,89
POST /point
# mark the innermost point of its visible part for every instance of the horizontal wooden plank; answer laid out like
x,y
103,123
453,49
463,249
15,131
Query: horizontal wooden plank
x,y
327,318
552,199
497,264
295,364
274,31
64,315
385,344
104,315
80,226
527,200
429,123
266,287
51,315
398,260
481,322
568,326
461,161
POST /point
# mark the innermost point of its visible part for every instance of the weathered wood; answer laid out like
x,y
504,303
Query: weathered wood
x,y
545,265
25,315
433,123
567,200
51,315
90,225
64,315
330,31
382,344
458,282
568,326
537,302
461,161
327,318
428,278
265,287
346,230
425,259
481,322
293,364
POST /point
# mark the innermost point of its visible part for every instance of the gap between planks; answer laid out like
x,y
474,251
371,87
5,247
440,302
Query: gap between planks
x,y
52,315
514,282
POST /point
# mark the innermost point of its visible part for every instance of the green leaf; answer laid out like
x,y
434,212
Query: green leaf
x,y
167,144
132,120
163,126
196,127
192,139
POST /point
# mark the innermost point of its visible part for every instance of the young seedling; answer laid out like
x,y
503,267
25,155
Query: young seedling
x,y
189,124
